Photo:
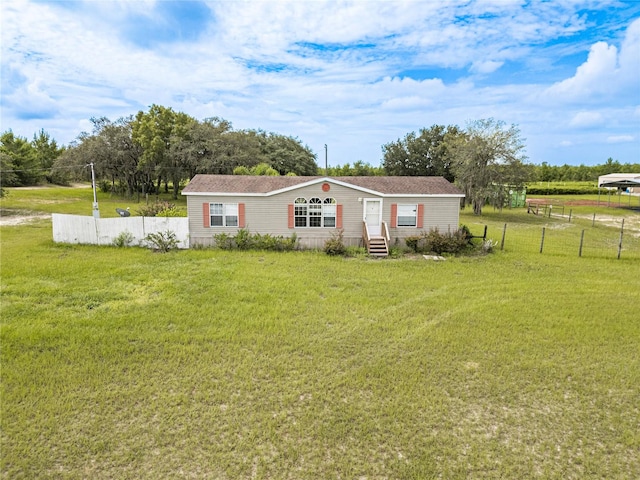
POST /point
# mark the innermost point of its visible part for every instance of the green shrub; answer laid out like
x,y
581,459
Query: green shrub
x,y
244,240
466,232
438,243
171,212
224,241
162,241
562,190
125,239
413,241
156,208
335,244
104,186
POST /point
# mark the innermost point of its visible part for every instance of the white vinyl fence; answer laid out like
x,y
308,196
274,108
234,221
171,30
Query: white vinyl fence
x,y
103,231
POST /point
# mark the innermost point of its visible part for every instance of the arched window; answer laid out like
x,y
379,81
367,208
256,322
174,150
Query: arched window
x,y
315,212
300,212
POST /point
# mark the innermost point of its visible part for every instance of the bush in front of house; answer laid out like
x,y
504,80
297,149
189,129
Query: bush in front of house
x,y
438,243
162,241
245,240
335,244
124,239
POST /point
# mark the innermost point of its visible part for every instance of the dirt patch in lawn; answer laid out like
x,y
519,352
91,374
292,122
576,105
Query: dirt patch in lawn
x,y
10,217
48,185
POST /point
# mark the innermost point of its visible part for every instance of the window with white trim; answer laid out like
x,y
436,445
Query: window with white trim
x,y
223,214
407,215
315,212
300,212
329,212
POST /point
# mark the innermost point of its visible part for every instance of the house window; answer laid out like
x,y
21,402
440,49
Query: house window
x,y
329,212
315,212
300,212
223,214
407,215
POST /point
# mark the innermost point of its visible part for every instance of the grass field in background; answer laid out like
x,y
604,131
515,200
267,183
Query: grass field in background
x,y
78,200
124,363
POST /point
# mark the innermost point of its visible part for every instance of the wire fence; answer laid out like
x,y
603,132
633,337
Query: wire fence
x,y
576,235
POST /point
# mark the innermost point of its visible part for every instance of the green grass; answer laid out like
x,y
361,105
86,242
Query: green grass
x,y
123,363
562,235
77,201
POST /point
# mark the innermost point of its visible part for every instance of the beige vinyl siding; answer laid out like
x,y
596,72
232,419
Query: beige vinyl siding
x,y
269,215
442,213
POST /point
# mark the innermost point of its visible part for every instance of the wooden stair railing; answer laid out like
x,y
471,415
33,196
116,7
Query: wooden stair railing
x,y
377,246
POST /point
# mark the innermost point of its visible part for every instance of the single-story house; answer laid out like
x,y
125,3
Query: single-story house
x,y
375,212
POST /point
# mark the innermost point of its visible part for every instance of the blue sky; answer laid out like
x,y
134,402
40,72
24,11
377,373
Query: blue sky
x,y
354,75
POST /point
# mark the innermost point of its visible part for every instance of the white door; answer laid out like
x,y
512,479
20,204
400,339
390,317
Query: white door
x,y
373,216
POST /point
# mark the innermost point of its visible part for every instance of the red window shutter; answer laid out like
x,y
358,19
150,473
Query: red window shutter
x,y
394,215
241,215
339,216
206,218
420,222
291,224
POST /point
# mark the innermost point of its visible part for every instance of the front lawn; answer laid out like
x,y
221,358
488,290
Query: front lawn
x,y
124,363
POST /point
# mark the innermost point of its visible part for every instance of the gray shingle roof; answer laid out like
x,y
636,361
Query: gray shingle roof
x,y
238,184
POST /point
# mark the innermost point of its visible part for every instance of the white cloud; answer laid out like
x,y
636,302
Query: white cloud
x,y
566,143
587,120
606,71
324,71
620,138
489,66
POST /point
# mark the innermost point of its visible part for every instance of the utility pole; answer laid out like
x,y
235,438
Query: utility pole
x,y
326,162
96,210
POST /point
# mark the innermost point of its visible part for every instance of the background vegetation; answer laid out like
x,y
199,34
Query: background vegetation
x,y
160,150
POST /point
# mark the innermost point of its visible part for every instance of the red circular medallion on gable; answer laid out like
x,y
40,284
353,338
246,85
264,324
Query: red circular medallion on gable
x,y
326,187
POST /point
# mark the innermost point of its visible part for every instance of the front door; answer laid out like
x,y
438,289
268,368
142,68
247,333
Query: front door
x,y
373,216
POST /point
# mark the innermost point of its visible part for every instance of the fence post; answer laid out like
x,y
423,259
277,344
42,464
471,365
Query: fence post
x,y
504,231
484,235
581,243
542,240
550,208
620,242
593,222
570,212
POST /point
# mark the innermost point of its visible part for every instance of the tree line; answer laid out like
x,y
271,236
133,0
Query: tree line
x,y
163,149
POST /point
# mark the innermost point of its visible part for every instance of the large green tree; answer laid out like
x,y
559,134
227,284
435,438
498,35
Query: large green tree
x,y
288,155
155,131
203,148
20,164
46,151
163,145
487,161
421,154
